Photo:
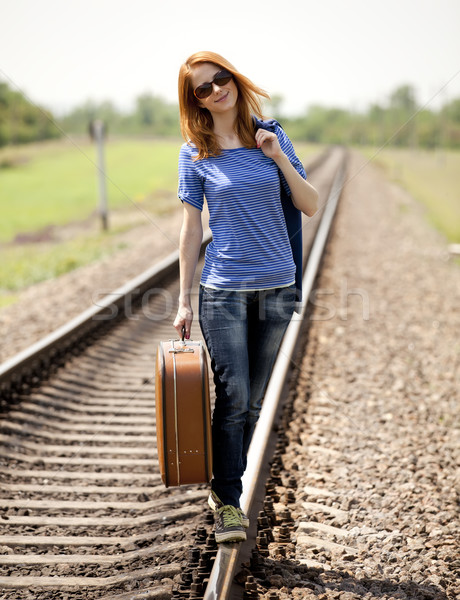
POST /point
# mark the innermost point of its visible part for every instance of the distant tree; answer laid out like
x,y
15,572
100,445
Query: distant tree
x,y
21,121
151,115
155,115
146,109
402,109
78,120
403,99
449,123
452,111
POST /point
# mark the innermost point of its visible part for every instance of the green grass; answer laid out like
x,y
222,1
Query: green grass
x,y
24,265
56,182
433,178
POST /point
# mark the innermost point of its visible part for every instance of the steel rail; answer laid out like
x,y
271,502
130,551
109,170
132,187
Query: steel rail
x,y
221,577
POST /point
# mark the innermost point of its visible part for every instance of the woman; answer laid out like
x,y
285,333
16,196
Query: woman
x,y
247,290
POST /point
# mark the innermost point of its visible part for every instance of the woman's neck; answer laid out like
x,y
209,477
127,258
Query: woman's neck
x,y
224,130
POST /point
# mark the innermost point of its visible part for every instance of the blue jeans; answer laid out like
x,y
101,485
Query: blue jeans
x,y
243,331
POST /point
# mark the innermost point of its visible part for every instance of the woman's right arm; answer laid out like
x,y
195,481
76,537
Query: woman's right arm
x,y
191,236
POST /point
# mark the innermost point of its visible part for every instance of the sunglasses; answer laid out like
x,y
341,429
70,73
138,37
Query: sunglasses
x,y
204,90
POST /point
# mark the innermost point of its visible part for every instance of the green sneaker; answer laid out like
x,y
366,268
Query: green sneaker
x,y
215,503
244,518
228,527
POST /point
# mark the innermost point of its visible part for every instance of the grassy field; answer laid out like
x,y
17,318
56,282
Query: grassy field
x,y
45,187
55,183
433,178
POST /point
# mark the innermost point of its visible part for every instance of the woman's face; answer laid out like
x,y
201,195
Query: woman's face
x,y
222,98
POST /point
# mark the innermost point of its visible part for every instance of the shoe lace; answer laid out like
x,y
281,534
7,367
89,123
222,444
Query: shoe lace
x,y
230,516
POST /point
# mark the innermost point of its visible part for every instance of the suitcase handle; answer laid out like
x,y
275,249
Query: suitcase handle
x,y
181,348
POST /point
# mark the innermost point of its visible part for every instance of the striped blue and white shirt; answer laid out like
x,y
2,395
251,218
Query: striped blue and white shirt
x,y
250,248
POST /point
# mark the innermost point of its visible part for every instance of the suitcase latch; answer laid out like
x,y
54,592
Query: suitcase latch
x,y
182,348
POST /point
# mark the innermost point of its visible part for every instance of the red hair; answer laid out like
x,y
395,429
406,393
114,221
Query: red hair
x,y
196,122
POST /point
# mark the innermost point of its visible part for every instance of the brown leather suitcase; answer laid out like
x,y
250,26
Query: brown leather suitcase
x,y
183,413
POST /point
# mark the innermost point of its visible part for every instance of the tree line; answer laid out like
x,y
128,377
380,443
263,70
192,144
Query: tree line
x,y
400,121
21,121
151,116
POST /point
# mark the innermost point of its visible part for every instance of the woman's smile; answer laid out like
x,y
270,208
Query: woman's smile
x,y
223,97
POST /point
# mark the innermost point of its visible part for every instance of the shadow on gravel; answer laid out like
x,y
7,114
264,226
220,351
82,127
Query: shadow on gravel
x,y
302,582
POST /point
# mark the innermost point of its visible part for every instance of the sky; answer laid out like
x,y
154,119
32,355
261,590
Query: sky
x,y
351,54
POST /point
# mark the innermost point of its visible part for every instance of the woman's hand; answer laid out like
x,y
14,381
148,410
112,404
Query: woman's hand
x,y
304,195
183,320
269,144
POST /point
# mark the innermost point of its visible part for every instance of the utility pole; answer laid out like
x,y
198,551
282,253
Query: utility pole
x,y
97,131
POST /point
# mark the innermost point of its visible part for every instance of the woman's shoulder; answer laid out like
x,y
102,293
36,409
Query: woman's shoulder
x,y
188,148
187,151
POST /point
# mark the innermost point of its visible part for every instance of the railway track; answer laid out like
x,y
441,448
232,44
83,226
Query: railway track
x,y
83,511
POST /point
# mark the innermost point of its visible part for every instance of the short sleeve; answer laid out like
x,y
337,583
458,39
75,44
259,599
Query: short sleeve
x,y
288,149
190,183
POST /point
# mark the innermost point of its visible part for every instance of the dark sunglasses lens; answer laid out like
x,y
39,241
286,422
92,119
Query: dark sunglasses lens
x,y
203,91
222,79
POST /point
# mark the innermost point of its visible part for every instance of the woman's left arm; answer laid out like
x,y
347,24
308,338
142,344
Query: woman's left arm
x,y
304,195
